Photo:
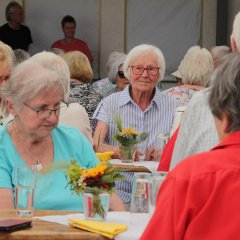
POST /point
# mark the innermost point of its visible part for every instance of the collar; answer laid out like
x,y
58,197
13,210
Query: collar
x,y
125,97
230,140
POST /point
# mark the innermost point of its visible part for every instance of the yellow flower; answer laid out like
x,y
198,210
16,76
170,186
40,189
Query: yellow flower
x,y
129,131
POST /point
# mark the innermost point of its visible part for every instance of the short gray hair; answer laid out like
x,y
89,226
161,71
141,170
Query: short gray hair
x,y
20,56
115,60
196,66
236,30
218,53
142,50
224,94
31,77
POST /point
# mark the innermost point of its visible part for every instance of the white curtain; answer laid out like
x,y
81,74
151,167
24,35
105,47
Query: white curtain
x,y
172,25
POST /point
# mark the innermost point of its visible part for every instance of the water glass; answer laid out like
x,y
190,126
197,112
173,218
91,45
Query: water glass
x,y
142,150
24,179
156,181
160,142
141,192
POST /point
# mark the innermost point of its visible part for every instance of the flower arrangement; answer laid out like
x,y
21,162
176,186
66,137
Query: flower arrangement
x,y
127,139
100,179
128,136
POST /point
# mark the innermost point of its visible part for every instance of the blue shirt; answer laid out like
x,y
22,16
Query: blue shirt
x,y
156,118
51,190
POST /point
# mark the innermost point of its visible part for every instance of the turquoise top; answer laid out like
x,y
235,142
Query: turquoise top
x,y
51,190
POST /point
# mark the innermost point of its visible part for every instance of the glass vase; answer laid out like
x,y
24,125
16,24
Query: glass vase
x,y
127,153
95,206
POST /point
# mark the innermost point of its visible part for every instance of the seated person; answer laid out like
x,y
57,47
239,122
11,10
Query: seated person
x,y
6,65
81,91
115,74
140,106
34,95
69,42
202,191
14,33
194,72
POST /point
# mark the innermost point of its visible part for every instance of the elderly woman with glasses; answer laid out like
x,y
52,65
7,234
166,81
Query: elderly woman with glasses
x,y
35,95
115,74
140,106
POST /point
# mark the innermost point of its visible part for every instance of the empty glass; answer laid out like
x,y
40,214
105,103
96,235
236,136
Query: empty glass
x,y
156,180
141,192
160,142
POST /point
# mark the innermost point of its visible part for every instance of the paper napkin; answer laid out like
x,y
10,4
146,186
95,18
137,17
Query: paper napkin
x,y
104,228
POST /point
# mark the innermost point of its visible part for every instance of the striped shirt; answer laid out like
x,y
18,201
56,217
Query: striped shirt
x,y
156,118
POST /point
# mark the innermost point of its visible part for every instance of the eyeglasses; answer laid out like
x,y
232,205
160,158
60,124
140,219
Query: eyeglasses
x,y
121,74
138,70
45,113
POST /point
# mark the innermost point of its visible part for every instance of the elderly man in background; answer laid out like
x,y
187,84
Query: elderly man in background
x,y
197,132
140,106
14,33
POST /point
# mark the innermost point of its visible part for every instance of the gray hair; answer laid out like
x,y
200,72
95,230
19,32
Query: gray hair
x,y
31,77
9,9
56,63
196,66
218,53
140,50
236,30
115,60
224,94
20,56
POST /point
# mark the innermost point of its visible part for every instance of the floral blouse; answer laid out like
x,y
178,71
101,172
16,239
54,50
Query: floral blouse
x,y
182,94
86,96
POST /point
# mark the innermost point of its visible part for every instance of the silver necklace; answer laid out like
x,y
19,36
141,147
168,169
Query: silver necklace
x,y
37,162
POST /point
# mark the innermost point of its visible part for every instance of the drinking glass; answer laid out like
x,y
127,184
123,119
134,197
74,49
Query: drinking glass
x,y
24,178
157,179
142,150
141,192
160,142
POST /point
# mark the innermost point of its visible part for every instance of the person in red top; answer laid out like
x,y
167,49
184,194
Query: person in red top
x,y
200,197
70,43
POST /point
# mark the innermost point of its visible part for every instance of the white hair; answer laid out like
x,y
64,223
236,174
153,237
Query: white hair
x,y
196,66
141,50
236,30
31,77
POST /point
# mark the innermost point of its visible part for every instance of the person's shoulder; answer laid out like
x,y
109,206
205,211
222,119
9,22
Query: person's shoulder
x,y
78,40
25,28
58,42
67,131
4,26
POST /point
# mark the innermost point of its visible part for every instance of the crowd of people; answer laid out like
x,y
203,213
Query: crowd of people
x,y
51,112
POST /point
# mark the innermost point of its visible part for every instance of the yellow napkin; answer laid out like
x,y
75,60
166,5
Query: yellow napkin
x,y
104,228
105,156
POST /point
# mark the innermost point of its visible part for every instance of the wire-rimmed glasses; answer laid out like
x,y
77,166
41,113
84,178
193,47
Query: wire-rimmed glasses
x,y
138,70
45,112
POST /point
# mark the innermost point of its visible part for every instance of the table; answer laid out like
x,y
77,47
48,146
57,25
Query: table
x,y
146,166
46,230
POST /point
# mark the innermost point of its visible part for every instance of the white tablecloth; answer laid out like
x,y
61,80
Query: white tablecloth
x,y
151,165
136,222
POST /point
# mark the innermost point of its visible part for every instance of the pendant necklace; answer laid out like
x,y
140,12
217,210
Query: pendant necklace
x,y
37,162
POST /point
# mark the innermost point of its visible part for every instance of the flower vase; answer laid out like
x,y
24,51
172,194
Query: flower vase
x,y
127,153
95,206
